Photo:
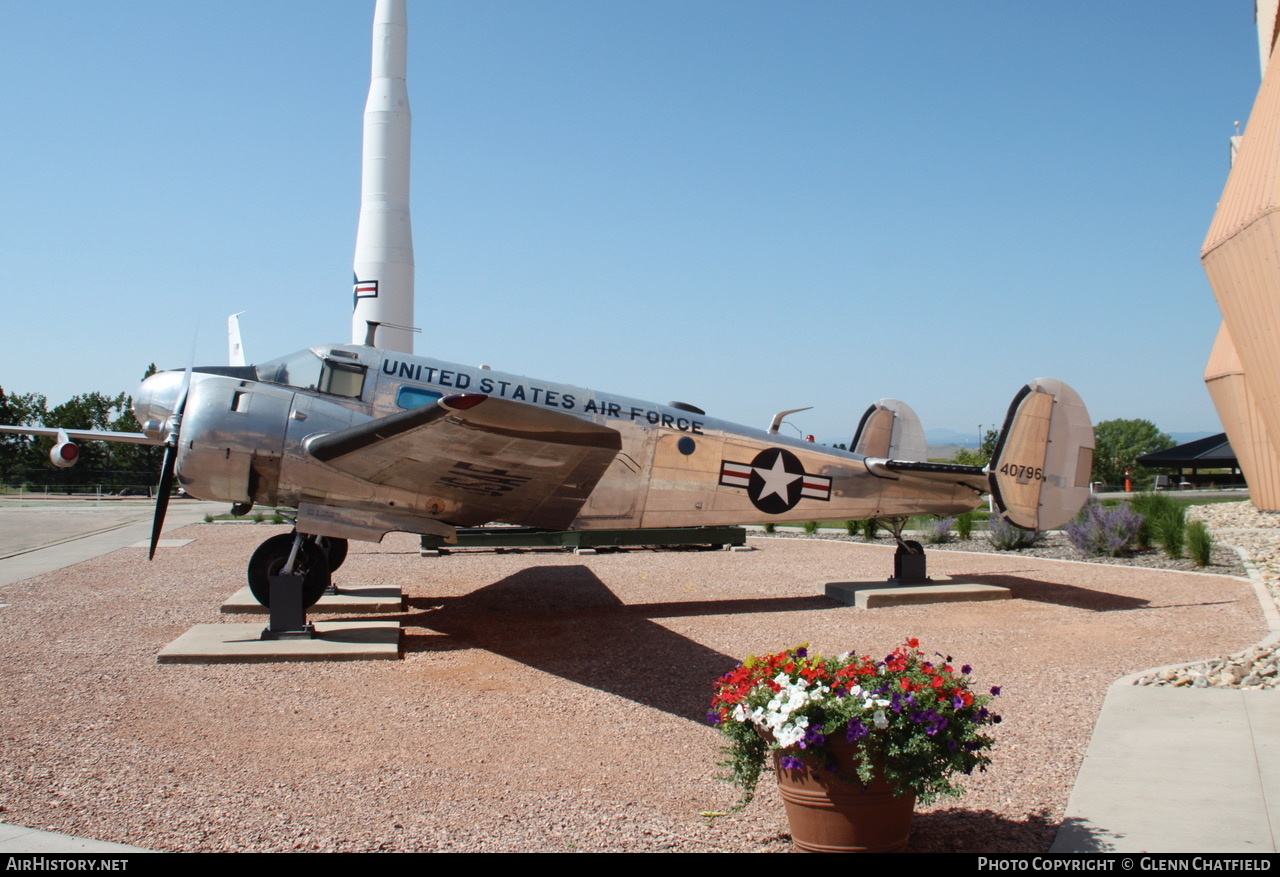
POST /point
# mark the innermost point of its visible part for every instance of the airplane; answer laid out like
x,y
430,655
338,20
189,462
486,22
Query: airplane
x,y
359,441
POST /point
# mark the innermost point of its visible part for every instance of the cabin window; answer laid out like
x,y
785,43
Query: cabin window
x,y
342,379
416,397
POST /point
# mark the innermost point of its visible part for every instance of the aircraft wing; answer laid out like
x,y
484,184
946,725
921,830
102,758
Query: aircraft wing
x,y
497,459
85,435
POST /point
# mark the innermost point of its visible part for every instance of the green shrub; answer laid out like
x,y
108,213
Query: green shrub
x,y
770,528
1151,506
1199,543
851,527
964,524
277,519
208,518
1169,528
1007,537
869,528
810,527
259,517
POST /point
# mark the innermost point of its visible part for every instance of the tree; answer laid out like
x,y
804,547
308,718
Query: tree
x,y
1119,443
981,455
19,452
24,458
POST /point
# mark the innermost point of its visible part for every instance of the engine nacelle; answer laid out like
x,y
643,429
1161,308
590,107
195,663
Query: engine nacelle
x,y
64,454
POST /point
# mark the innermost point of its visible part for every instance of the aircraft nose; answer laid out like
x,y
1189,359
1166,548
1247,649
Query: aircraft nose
x,y
156,400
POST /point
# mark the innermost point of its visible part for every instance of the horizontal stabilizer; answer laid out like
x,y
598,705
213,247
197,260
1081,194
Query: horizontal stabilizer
x,y
890,430
1043,459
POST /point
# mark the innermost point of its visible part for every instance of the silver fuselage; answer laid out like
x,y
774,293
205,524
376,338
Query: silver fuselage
x,y
241,441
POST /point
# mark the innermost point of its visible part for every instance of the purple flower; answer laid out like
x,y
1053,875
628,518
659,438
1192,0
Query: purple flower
x,y
713,718
802,653
812,737
957,701
857,730
966,669
995,720
995,689
787,762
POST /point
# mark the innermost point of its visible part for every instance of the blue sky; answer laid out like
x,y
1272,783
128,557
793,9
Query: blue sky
x,y
745,205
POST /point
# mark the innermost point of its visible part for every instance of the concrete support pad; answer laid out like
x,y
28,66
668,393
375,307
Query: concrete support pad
x,y
359,601
242,644
874,595
742,548
581,551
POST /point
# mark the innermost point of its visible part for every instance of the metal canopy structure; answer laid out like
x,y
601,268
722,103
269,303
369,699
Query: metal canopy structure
x,y
1212,452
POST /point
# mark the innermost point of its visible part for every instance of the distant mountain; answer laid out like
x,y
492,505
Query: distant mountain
x,y
951,437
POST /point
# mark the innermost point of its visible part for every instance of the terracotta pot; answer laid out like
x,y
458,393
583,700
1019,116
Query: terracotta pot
x,y
829,815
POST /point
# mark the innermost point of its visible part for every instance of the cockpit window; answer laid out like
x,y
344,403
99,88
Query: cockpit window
x,y
300,370
307,371
342,379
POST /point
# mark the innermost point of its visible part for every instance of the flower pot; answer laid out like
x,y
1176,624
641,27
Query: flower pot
x,y
829,815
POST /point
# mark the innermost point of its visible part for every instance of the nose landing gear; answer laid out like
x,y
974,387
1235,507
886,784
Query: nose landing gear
x,y
287,574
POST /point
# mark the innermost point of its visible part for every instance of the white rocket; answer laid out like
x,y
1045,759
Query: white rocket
x,y
384,237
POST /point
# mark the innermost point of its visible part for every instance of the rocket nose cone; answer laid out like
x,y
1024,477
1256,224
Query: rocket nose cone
x,y
156,400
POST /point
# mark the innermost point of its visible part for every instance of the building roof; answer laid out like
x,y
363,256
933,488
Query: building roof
x,y
1213,452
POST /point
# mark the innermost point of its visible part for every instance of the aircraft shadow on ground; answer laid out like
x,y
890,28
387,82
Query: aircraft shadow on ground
x,y
1058,594
563,620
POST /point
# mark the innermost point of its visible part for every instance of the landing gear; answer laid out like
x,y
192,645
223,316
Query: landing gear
x,y
335,551
310,563
909,565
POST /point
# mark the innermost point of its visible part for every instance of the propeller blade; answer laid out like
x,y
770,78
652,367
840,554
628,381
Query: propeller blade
x,y
162,496
170,465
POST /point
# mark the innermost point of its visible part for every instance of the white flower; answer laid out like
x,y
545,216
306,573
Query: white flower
x,y
880,720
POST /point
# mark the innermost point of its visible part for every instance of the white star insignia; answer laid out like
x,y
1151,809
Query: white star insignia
x,y
776,480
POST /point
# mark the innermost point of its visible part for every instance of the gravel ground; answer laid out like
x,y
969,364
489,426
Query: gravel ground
x,y
545,701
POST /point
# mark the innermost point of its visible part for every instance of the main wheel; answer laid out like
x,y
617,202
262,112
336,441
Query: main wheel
x,y
335,551
271,557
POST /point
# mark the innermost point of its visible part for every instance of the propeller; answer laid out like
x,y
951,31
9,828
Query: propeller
x,y
169,467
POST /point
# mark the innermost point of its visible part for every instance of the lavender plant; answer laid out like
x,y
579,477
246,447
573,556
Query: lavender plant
x,y
1008,537
939,532
1104,531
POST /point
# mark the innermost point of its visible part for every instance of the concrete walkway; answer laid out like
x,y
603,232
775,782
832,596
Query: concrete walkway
x,y
1181,770
1178,770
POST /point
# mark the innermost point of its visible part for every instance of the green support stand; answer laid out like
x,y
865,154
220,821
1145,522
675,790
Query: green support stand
x,y
527,537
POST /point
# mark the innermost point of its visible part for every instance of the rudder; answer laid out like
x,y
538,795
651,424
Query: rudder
x,y
1039,473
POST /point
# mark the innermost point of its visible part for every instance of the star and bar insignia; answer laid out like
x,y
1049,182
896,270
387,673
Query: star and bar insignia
x,y
775,481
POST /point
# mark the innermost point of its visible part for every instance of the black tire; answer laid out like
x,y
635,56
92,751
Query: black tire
x,y
335,551
270,558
